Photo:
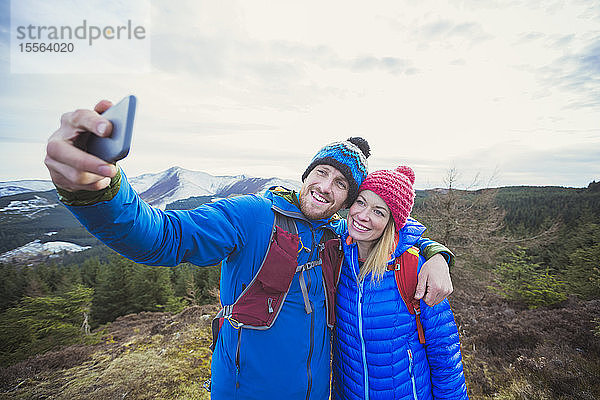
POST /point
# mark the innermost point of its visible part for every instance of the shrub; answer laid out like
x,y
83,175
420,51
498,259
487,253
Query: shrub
x,y
521,280
39,324
596,328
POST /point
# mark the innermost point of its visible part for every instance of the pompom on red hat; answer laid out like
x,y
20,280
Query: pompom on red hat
x,y
395,187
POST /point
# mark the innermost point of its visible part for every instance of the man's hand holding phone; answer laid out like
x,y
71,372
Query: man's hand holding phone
x,y
72,168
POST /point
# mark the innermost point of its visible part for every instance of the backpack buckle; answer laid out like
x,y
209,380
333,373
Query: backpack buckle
x,y
309,265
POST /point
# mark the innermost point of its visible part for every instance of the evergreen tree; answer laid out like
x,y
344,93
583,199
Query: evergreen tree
x,y
207,280
521,280
594,186
125,287
12,285
185,284
151,288
88,270
582,270
112,296
39,324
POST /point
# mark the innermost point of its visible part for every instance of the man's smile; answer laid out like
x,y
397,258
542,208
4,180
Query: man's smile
x,y
318,197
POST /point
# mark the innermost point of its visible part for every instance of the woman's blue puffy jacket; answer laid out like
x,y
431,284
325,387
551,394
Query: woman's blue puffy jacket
x,y
376,349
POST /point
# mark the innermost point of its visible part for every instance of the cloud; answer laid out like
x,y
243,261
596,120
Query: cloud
x,y
562,41
471,33
20,139
530,37
4,36
569,165
505,164
209,49
197,128
458,62
392,65
235,86
270,62
577,73
203,57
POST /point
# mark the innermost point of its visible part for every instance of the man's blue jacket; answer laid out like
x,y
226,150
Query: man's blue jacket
x,y
290,360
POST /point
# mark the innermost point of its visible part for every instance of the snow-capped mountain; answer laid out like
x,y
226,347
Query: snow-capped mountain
x,y
168,186
37,249
24,186
29,208
178,184
31,213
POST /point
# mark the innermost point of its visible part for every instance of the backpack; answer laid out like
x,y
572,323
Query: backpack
x,y
260,302
405,269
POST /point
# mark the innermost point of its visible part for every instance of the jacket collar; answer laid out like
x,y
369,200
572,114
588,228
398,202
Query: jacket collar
x,y
407,237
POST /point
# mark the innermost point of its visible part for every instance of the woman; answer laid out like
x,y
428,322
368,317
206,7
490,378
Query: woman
x,y
377,352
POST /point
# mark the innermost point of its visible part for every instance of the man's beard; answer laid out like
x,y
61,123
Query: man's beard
x,y
304,198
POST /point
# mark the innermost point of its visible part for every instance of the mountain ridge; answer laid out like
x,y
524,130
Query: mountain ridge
x,y
30,209
9,188
173,184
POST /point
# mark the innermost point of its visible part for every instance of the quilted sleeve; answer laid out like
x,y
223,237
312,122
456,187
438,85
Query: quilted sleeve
x,y
151,236
430,248
442,346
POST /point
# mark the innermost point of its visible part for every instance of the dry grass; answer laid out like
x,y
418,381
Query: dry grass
x,y
512,352
142,356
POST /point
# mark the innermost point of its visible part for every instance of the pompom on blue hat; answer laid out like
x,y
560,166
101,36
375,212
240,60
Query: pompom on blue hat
x,y
349,157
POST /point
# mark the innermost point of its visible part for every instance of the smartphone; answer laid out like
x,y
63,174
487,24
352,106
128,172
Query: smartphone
x,y
115,147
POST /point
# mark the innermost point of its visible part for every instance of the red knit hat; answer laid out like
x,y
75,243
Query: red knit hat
x,y
396,189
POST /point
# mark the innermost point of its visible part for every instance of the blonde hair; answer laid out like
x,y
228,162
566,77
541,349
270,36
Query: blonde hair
x,y
376,262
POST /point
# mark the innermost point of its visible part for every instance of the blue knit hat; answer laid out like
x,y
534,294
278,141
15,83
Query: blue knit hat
x,y
349,157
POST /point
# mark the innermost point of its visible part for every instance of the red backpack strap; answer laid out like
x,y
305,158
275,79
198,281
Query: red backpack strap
x,y
332,256
405,271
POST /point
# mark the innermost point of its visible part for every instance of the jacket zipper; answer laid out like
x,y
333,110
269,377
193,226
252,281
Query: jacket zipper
x,y
237,359
412,375
312,346
312,320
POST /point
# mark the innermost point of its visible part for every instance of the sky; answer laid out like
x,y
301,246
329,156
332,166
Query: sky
x,y
502,92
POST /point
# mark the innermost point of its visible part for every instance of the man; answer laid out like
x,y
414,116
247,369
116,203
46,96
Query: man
x,y
287,356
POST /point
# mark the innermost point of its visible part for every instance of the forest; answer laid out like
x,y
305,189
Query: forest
x,y
526,300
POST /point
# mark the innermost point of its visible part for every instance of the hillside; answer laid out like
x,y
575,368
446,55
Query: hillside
x,y
138,356
509,351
